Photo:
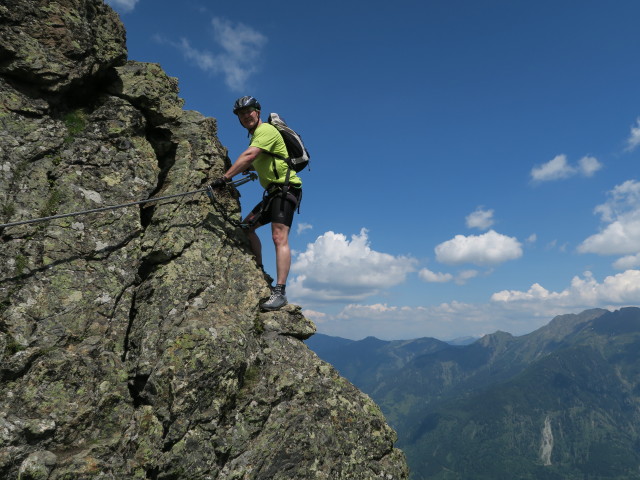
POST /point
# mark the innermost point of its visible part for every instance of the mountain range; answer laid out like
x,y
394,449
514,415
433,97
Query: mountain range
x,y
562,402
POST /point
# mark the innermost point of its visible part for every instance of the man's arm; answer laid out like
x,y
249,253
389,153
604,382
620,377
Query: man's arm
x,y
242,163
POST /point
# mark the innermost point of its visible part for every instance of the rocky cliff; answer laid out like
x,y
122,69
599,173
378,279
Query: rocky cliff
x,y
131,344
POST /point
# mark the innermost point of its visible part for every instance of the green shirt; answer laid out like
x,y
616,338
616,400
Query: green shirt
x,y
271,169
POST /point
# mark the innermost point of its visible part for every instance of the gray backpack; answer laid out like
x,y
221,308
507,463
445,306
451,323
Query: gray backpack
x,y
298,154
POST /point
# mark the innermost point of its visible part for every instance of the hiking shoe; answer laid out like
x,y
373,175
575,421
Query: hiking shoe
x,y
276,300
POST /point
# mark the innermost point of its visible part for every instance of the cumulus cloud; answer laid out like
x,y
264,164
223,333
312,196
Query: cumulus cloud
x,y
460,278
554,169
240,50
584,292
622,213
626,262
559,168
122,5
588,166
334,268
480,218
433,277
623,199
516,312
317,317
634,138
490,248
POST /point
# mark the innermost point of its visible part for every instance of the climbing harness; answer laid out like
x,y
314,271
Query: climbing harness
x,y
208,191
273,191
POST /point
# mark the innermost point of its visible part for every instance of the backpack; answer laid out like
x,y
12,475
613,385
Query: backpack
x,y
298,154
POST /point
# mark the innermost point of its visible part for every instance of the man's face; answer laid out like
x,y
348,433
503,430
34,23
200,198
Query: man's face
x,y
249,117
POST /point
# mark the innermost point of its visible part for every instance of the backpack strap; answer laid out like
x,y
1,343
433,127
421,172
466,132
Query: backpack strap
x,y
285,185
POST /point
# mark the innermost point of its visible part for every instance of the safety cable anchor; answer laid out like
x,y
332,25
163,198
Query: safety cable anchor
x,y
241,181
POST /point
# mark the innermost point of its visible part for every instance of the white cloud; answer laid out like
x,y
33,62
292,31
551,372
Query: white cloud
x,y
466,275
317,317
516,312
460,278
624,198
302,227
587,166
634,138
553,244
336,269
586,292
532,238
558,168
629,261
433,277
554,169
445,321
490,248
124,5
618,238
480,218
622,212
204,60
241,48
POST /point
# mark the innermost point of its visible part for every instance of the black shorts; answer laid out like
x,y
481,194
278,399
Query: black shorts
x,y
275,208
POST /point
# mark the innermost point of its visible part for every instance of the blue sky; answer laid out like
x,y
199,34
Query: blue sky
x,y
474,164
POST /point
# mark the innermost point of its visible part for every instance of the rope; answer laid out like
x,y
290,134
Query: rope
x,y
207,190
95,210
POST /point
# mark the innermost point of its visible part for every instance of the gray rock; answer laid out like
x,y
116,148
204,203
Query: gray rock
x,y
37,466
54,46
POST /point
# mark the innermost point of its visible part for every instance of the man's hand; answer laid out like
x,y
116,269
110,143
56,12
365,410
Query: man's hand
x,y
219,182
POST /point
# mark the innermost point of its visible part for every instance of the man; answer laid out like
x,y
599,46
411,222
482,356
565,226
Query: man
x,y
283,190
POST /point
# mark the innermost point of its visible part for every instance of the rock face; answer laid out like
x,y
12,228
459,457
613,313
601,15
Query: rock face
x,y
131,344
